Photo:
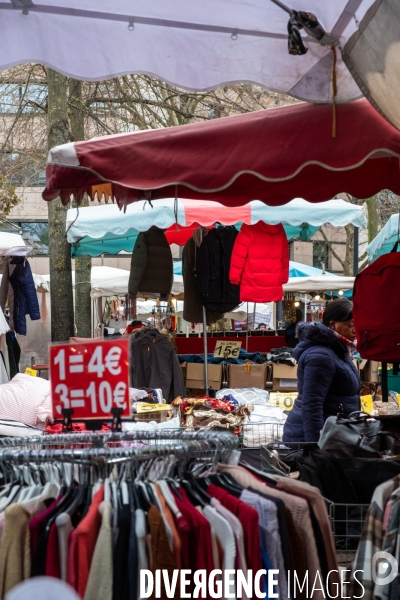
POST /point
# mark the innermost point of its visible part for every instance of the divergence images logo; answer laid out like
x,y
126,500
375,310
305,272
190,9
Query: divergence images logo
x,y
384,568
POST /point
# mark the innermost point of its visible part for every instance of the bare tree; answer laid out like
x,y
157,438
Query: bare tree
x,y
62,313
83,264
37,113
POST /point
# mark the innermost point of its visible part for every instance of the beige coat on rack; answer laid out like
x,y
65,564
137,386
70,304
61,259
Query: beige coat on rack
x,y
15,555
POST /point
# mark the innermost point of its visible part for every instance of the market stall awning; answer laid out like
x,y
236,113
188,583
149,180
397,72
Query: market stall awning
x,y
385,240
319,283
194,45
297,269
105,229
272,155
372,56
109,281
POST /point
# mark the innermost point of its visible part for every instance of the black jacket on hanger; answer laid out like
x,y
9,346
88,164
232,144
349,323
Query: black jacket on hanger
x,y
213,262
192,307
154,364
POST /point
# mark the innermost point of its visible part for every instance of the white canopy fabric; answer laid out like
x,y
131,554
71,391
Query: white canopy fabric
x,y
319,283
109,281
195,45
372,56
385,240
13,244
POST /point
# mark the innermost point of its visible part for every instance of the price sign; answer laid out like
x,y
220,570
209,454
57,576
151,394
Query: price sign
x,y
367,404
90,378
227,349
31,372
284,400
142,407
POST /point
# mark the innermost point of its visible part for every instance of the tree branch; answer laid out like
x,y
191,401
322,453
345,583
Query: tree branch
x,y
330,246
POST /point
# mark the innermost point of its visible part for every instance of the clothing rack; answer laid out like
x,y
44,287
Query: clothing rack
x,y
169,491
103,449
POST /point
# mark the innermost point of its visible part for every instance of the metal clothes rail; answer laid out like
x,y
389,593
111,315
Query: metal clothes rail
x,y
115,447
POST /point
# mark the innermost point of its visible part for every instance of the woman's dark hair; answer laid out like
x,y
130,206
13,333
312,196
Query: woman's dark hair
x,y
339,310
299,314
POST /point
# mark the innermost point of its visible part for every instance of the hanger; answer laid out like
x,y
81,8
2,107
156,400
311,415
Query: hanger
x,y
225,483
172,485
198,488
192,494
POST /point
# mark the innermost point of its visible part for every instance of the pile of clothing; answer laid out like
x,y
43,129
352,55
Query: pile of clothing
x,y
281,356
25,400
145,395
210,413
255,357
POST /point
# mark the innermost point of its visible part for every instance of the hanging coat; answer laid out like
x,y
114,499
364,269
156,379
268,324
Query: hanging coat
x,y
213,262
151,265
154,364
25,297
260,262
192,307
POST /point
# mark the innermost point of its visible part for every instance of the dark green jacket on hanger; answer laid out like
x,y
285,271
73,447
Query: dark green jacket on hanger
x,y
151,265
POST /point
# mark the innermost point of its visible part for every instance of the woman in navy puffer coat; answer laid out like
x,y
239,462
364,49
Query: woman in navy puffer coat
x,y
328,382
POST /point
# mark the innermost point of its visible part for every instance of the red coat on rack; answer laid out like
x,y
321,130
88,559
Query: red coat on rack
x,y
260,262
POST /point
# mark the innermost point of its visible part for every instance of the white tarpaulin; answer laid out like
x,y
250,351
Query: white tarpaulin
x,y
108,281
319,283
13,244
373,56
194,44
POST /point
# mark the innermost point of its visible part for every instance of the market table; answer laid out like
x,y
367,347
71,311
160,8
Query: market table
x,y
195,345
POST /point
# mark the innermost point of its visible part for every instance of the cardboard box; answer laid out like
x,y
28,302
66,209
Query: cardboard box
x,y
246,376
284,378
369,371
195,376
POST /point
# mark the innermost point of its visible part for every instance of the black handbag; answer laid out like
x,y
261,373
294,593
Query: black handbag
x,y
355,435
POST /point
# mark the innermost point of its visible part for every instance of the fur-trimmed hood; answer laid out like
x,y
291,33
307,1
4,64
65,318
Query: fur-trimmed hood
x,y
317,334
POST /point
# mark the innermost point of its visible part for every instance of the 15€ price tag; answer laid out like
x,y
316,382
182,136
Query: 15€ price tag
x,y
284,400
91,378
227,349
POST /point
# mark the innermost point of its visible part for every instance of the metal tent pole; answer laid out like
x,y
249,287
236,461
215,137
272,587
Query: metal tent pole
x,y
205,350
205,337
355,255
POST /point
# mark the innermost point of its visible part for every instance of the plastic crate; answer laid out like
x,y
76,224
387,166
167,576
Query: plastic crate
x,y
158,417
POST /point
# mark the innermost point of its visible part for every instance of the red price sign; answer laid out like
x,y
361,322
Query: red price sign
x,y
90,378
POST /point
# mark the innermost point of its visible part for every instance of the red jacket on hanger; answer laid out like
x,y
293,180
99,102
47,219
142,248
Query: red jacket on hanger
x,y
260,262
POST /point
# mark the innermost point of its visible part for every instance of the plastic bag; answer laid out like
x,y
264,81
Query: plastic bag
x,y
246,396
